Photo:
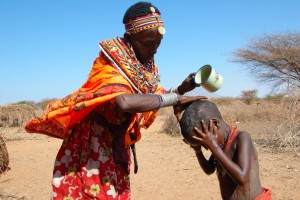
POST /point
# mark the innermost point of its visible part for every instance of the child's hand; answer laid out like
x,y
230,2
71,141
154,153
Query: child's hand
x,y
207,136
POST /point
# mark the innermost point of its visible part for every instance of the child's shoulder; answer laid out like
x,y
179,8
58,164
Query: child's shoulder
x,y
242,135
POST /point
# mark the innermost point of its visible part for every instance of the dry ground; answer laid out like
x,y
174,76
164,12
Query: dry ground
x,y
168,168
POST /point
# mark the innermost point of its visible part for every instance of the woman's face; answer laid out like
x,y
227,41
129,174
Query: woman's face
x,y
145,44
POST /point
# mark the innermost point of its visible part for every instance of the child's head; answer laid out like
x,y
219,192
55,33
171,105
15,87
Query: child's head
x,y
198,110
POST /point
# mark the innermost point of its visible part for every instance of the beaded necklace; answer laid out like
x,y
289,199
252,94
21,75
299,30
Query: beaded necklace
x,y
144,78
229,138
226,140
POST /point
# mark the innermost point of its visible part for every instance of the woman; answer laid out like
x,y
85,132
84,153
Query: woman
x,y
102,120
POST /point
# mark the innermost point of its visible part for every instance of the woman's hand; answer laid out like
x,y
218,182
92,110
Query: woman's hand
x,y
182,104
188,84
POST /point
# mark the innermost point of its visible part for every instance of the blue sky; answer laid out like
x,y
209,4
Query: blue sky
x,y
48,47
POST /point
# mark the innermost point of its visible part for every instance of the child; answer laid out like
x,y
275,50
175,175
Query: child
x,y
234,156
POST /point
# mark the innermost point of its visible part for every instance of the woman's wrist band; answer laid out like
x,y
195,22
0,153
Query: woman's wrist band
x,y
160,101
165,100
169,99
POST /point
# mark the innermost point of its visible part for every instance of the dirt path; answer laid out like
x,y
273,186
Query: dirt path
x,y
168,169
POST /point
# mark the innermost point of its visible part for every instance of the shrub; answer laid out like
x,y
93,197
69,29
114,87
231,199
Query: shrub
x,y
249,96
4,159
277,98
170,125
288,130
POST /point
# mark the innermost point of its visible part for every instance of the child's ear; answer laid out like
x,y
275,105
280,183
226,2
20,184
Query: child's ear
x,y
216,123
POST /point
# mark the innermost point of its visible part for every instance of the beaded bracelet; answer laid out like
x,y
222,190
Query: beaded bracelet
x,y
160,101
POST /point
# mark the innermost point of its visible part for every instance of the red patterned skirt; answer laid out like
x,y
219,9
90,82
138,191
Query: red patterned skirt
x,y
85,168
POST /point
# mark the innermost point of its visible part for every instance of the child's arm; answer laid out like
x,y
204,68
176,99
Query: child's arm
x,y
208,166
238,171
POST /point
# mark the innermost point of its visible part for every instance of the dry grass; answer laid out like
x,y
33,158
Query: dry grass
x,y
4,196
15,115
272,123
12,119
259,111
288,130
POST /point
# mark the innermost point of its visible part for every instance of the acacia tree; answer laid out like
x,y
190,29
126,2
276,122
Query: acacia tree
x,y
248,96
273,59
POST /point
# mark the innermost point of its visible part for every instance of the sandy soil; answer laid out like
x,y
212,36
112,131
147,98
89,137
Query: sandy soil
x,y
168,169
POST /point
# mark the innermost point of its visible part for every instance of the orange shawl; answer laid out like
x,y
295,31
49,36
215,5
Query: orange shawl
x,y
111,75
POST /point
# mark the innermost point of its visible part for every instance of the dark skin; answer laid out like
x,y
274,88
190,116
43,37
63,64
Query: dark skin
x,y
237,168
145,45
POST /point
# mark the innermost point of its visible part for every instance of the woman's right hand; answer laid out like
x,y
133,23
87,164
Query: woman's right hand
x,y
187,84
183,103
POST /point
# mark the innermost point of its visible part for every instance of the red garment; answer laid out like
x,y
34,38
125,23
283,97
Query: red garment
x,y
85,167
266,195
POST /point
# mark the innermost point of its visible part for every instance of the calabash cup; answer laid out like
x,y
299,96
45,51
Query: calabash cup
x,y
208,78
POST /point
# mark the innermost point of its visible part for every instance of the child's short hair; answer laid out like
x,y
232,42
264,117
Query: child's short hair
x,y
198,110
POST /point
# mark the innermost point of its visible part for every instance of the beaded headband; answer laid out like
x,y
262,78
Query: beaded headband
x,y
145,22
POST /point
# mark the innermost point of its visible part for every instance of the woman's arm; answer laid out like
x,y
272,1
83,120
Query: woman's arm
x,y
137,103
